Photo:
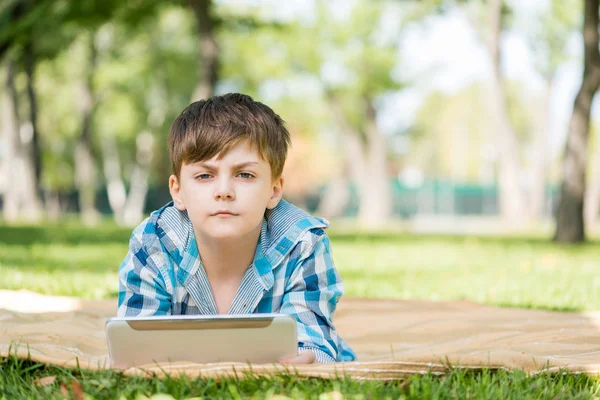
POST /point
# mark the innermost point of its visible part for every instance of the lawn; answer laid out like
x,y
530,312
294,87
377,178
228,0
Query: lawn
x,y
520,272
517,272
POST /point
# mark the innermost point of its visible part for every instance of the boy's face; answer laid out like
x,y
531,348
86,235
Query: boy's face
x,y
227,198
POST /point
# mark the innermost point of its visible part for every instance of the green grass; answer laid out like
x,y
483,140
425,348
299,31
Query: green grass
x,y
520,272
18,380
506,272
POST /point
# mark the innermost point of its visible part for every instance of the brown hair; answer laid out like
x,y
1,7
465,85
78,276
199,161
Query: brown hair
x,y
214,126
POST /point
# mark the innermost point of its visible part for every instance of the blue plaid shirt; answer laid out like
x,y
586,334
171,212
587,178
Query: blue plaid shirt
x,y
292,273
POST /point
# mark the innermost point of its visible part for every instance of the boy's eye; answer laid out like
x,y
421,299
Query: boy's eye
x,y
246,175
203,176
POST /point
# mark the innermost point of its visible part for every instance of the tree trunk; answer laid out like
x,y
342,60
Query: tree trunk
x,y
353,148
10,128
117,195
21,198
592,195
85,176
29,62
511,197
540,157
85,165
208,50
32,158
338,195
52,204
376,203
136,200
367,164
570,226
127,208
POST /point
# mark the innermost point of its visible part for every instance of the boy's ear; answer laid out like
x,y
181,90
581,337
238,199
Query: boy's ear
x,y
277,193
175,190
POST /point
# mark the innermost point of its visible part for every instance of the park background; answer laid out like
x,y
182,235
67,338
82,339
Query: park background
x,y
442,138
429,114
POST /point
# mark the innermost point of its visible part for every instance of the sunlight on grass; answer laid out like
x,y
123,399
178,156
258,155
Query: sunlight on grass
x,y
508,272
67,257
539,275
85,270
85,284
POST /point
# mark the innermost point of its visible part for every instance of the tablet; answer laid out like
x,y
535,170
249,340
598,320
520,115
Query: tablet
x,y
254,338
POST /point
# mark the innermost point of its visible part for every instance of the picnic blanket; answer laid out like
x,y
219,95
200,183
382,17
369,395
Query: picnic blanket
x,y
392,338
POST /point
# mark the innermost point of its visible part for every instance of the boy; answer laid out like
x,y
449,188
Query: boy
x,y
228,242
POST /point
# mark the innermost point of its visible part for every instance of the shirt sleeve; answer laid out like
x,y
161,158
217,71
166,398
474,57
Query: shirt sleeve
x,y
142,288
311,296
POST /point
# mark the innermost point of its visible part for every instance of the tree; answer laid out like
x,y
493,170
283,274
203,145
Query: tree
x,y
513,206
548,41
570,225
85,156
38,30
143,75
345,63
208,50
547,37
364,59
20,47
25,25
511,196
20,199
592,195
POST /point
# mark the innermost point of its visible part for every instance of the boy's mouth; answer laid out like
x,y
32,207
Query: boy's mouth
x,y
224,213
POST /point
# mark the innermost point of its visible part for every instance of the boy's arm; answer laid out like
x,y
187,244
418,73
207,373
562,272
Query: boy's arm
x,y
314,290
142,288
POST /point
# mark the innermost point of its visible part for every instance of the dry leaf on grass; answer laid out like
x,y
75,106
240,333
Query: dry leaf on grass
x,y
63,390
77,392
45,381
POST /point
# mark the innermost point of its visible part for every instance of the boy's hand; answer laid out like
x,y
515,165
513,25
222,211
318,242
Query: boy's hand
x,y
305,357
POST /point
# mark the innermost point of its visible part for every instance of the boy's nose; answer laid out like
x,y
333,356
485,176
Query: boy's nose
x,y
224,191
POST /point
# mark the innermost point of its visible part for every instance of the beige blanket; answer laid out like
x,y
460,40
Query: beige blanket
x,y
392,338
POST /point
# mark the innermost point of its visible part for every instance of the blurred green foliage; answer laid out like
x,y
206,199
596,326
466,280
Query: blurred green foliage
x,y
141,59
